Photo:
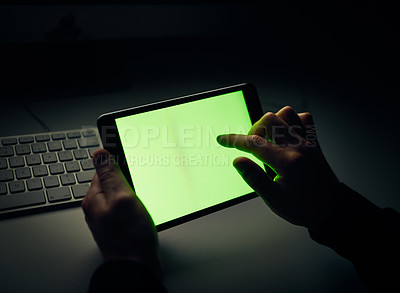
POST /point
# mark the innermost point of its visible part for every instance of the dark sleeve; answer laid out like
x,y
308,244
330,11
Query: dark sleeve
x,y
124,276
366,235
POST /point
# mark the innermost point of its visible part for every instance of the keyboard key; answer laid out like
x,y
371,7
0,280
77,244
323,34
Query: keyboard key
x,y
74,134
16,162
9,141
6,151
80,154
65,156
80,190
59,162
67,179
92,150
58,194
22,149
16,186
87,165
34,184
42,137
39,171
54,146
3,188
21,200
56,169
38,147
88,132
49,158
6,175
85,176
88,142
23,173
70,144
3,163
72,167
51,181
33,160
58,136
26,139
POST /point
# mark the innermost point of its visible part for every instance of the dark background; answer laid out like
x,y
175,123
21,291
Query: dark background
x,y
350,45
64,63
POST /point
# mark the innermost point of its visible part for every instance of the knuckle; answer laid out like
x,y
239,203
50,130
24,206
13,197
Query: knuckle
x,y
288,109
307,118
268,116
295,159
105,174
286,112
255,140
258,129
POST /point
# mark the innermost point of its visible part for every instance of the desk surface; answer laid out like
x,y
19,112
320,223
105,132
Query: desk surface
x,y
245,248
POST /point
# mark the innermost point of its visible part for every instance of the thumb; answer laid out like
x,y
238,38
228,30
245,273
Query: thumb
x,y
258,179
110,176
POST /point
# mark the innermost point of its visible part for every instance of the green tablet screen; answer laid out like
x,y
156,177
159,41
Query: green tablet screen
x,y
176,165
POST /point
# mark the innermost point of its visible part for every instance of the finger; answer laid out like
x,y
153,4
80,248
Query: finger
x,y
267,126
273,128
95,185
260,147
110,177
310,129
257,179
260,127
289,115
306,118
94,202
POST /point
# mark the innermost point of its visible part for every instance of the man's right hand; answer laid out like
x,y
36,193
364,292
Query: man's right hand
x,y
303,189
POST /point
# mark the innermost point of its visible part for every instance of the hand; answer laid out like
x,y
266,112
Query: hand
x,y
120,224
302,187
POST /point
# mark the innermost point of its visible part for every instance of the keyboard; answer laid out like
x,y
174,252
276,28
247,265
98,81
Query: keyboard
x,y
45,171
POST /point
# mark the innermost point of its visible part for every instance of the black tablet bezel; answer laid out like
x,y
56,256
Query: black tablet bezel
x,y
111,141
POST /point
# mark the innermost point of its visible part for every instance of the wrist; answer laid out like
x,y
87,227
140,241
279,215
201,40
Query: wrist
x,y
125,275
347,224
152,263
329,199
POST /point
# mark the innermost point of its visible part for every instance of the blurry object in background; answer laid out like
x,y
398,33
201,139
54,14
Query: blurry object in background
x,y
67,29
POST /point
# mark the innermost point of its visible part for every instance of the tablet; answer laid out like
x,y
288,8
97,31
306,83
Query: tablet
x,y
169,154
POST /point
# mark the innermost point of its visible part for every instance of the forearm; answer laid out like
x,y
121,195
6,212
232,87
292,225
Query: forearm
x,y
366,235
125,276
